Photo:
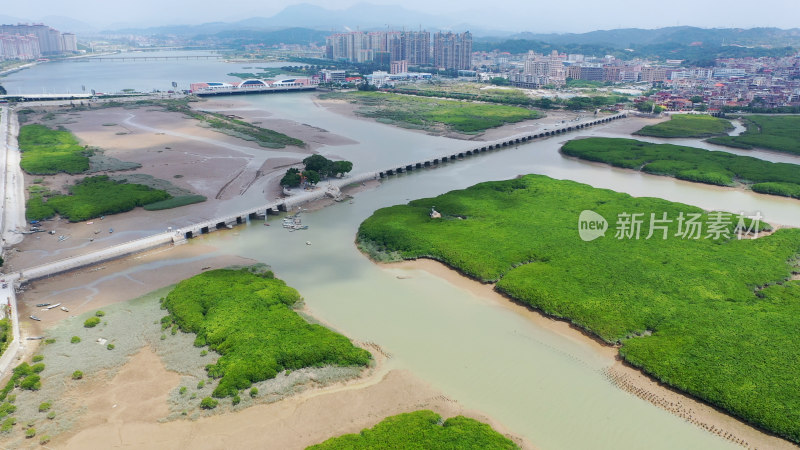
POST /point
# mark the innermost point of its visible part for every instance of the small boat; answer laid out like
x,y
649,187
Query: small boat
x,y
54,306
64,308
89,223
35,338
110,230
36,318
42,305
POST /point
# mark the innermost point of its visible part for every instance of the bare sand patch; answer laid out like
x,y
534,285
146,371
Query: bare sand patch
x,y
296,422
113,282
618,372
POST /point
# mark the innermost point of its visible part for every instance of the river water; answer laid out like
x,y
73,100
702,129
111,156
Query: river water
x,y
540,384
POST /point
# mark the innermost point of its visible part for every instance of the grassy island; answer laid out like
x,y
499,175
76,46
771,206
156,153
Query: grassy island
x,y
779,133
686,126
248,319
426,113
422,429
691,164
716,318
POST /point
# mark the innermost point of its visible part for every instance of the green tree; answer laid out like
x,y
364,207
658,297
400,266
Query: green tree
x,y
3,90
500,81
312,177
292,178
319,164
341,167
696,99
645,107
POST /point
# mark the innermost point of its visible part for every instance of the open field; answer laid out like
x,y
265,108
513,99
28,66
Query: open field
x,y
691,164
422,429
430,114
687,125
710,317
779,133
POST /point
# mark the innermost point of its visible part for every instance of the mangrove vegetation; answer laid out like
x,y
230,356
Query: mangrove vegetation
x,y
422,430
429,113
247,317
686,126
696,307
691,164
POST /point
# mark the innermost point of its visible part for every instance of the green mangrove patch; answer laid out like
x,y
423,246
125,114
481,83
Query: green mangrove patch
x,y
779,133
248,319
46,151
426,113
422,429
92,197
713,317
691,164
686,126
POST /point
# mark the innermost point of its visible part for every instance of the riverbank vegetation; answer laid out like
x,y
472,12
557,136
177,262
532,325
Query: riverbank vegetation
x,y
46,151
506,95
232,126
691,164
6,334
92,197
248,319
777,133
422,429
715,318
686,126
429,113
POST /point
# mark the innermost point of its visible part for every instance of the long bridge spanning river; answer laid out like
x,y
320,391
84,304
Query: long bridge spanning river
x,y
285,204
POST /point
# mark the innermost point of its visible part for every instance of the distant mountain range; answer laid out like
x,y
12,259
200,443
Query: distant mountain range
x,y
633,37
306,23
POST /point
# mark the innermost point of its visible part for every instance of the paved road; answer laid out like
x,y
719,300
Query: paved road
x,y
13,186
12,209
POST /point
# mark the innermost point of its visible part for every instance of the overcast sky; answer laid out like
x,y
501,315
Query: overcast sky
x,y
511,15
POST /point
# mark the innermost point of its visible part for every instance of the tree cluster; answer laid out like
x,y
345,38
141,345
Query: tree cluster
x,y
316,168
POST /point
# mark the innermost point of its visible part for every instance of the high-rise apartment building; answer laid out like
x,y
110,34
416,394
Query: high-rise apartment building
x,y
48,41
357,46
415,47
452,51
15,46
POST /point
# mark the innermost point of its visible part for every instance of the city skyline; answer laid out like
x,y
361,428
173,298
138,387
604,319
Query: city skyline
x,y
514,16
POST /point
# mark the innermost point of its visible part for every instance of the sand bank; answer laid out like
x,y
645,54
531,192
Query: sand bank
x,y
618,372
117,418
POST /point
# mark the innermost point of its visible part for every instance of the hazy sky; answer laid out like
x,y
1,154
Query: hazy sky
x,y
512,15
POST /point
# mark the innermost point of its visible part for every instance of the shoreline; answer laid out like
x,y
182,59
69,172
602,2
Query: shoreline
x,y
741,187
110,404
619,373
